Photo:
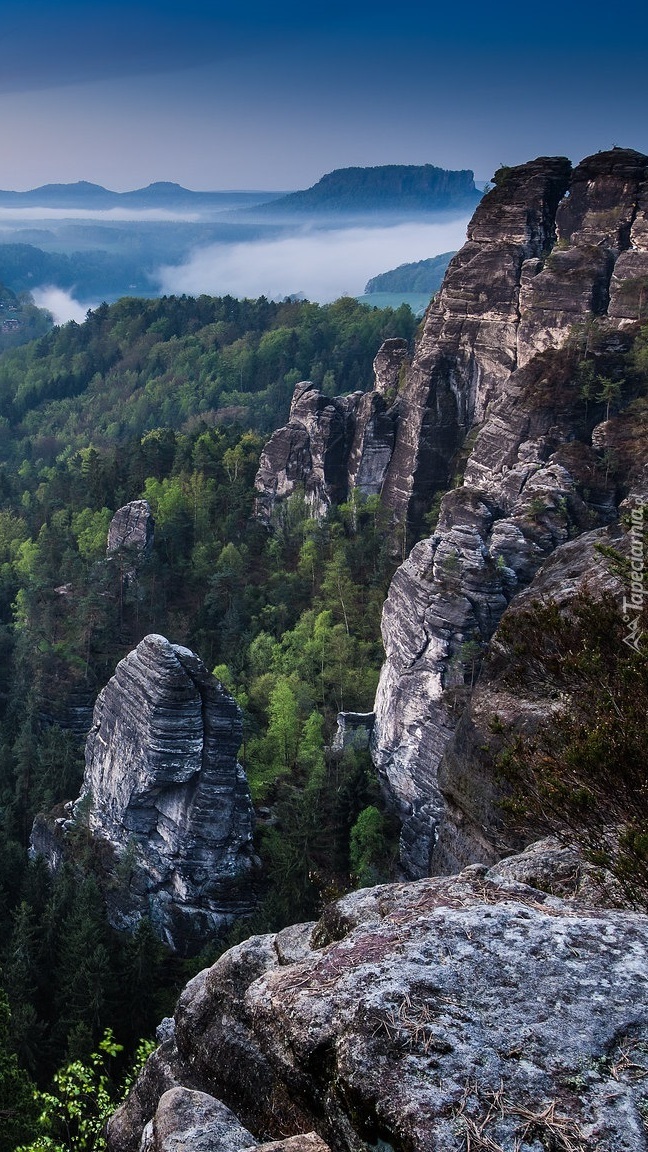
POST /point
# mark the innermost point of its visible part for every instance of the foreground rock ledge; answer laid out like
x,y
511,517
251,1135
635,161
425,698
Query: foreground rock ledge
x,y
417,1014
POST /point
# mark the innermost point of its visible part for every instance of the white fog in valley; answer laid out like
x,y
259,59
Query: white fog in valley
x,y
13,216
321,265
61,304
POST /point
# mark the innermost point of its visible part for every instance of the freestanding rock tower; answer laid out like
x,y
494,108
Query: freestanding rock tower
x,y
164,799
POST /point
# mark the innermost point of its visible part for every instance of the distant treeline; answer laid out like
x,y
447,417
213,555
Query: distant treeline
x,y
423,276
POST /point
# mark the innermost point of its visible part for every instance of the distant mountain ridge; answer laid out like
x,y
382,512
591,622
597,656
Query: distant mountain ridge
x,y
162,194
421,276
406,189
388,188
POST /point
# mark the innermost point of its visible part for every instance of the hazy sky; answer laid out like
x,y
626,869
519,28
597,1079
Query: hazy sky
x,y
272,95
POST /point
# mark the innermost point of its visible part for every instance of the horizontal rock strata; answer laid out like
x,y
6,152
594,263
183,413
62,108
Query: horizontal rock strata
x,y
547,257
165,799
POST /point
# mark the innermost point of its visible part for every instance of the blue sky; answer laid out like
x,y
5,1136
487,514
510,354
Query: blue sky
x,y
272,95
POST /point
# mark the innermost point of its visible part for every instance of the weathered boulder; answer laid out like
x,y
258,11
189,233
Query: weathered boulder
x,y
422,1015
185,1118
164,799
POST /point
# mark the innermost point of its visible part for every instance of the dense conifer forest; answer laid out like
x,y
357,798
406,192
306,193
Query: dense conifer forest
x,y
171,400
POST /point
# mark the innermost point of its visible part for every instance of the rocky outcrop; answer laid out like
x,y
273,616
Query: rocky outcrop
x,y
535,471
420,1017
310,453
164,801
472,829
353,731
468,347
131,531
377,422
331,446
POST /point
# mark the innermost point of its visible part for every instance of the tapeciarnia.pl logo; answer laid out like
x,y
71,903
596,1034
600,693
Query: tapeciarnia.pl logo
x,y
634,601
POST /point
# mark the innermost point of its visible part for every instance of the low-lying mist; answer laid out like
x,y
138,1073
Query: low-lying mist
x,y
320,265
60,303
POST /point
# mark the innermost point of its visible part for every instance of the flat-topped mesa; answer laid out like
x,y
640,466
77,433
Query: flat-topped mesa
x,y
164,798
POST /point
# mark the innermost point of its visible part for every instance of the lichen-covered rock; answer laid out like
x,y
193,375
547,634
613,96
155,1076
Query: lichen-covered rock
x,y
416,1015
164,799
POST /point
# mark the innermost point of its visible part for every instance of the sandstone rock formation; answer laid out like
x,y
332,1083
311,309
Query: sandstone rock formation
x,y
470,829
131,530
548,263
310,452
164,799
331,446
419,1017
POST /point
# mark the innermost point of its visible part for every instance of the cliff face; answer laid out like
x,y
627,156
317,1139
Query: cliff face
x,y
416,1017
164,801
554,273
535,475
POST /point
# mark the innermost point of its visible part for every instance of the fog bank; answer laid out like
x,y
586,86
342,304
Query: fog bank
x,y
60,303
321,265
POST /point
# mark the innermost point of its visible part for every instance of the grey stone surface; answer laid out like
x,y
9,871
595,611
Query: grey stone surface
x,y
188,1119
353,731
330,447
487,364
471,829
132,530
309,453
164,798
423,1011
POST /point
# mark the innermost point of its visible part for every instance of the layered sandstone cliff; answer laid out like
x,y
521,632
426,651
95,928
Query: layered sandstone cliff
x,y
164,802
543,285
554,274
